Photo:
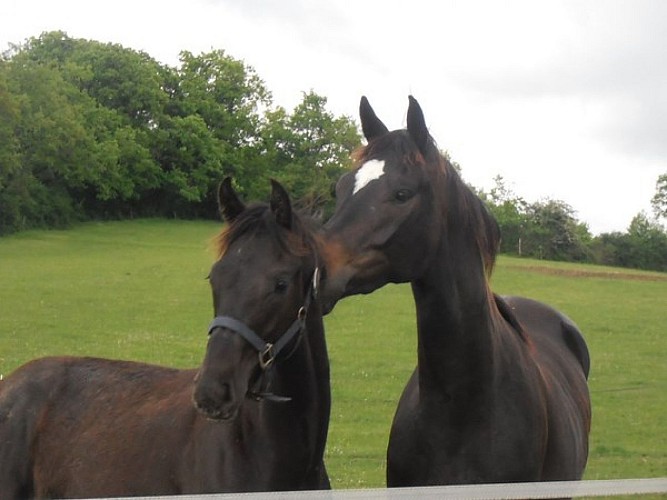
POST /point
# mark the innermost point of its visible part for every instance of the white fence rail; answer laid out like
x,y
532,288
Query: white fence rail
x,y
514,491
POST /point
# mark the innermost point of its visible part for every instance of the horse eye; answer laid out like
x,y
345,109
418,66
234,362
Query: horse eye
x,y
403,195
281,286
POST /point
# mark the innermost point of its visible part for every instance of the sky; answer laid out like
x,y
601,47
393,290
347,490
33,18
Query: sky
x,y
564,99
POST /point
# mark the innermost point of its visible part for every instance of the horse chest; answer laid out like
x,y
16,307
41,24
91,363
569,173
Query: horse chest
x,y
445,442
253,453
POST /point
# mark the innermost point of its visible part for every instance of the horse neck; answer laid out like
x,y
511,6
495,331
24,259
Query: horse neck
x,y
307,369
454,320
304,376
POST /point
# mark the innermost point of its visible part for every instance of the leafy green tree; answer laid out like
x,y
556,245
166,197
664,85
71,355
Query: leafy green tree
x,y
607,248
127,171
225,92
643,246
647,244
309,149
659,200
58,150
13,195
552,232
191,159
86,123
229,98
125,80
509,211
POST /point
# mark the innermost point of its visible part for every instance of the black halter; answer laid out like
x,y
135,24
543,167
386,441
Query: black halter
x,y
267,351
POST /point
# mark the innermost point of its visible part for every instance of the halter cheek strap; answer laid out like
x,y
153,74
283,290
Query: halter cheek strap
x,y
267,351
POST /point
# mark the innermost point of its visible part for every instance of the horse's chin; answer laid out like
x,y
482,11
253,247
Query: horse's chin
x,y
219,414
216,411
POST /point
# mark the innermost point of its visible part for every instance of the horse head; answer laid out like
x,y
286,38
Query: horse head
x,y
262,285
373,238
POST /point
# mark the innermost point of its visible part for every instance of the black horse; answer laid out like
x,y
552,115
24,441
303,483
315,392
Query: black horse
x,y
254,416
500,392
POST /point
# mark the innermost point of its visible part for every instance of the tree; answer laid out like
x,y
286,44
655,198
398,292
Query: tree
x,y
659,200
117,78
554,233
191,159
58,152
309,149
225,92
87,110
228,97
509,211
13,193
647,244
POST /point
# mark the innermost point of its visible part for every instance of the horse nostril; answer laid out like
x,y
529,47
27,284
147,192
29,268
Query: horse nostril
x,y
225,393
205,403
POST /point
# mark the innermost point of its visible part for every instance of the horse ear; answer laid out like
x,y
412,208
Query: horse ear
x,y
281,205
417,125
370,123
229,204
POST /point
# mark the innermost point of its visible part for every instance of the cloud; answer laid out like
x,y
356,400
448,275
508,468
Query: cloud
x,y
615,71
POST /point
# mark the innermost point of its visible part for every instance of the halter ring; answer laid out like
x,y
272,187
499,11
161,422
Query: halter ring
x,y
266,357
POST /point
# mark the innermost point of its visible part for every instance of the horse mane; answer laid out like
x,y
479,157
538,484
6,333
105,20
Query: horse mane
x,y
474,214
258,218
470,209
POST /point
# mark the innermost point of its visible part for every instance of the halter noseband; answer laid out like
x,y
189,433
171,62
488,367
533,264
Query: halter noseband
x,y
267,351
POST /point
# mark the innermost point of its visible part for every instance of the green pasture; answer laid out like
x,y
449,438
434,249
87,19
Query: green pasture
x,y
137,290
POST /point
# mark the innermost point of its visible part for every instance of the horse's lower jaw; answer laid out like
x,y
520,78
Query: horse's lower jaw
x,y
219,415
229,412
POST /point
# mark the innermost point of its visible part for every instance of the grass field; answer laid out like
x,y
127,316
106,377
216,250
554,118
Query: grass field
x,y
136,290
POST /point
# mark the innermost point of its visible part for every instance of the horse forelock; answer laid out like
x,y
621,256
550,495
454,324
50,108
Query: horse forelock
x,y
396,144
258,218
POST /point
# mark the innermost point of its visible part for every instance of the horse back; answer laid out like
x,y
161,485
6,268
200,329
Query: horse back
x,y
540,320
61,417
561,356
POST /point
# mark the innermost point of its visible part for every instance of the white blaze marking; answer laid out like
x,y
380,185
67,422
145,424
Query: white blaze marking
x,y
369,171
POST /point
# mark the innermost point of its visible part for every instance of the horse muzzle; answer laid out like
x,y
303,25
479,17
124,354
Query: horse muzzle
x,y
222,381
216,401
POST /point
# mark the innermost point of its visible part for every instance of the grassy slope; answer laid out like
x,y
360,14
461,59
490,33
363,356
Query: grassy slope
x,y
136,290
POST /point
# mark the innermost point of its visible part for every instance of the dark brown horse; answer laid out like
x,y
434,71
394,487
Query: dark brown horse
x,y
84,427
499,393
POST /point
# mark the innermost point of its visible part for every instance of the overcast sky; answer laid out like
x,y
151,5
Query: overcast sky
x,y
564,99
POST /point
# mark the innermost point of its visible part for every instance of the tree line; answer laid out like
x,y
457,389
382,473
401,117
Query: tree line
x,y
90,130
549,229
93,130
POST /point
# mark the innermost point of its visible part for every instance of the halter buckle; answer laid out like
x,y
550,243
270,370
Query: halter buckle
x,y
266,357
